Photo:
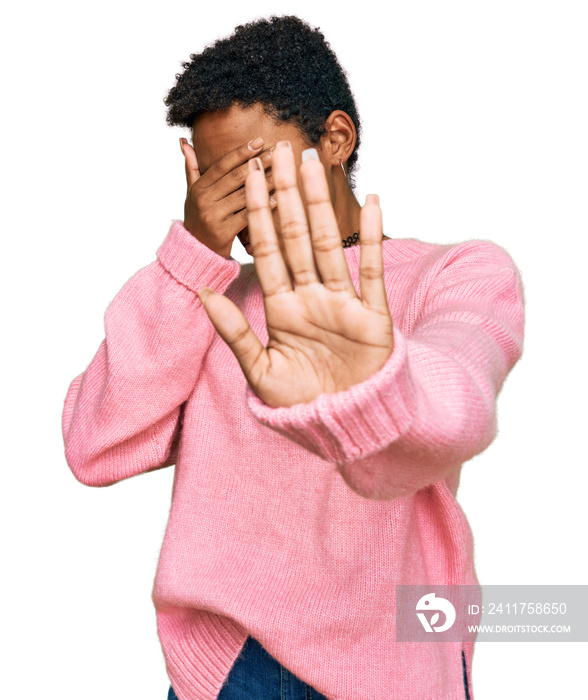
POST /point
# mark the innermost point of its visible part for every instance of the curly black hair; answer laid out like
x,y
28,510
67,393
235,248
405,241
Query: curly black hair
x,y
280,63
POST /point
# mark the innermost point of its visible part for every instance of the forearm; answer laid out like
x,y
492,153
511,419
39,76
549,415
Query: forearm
x,y
432,406
121,415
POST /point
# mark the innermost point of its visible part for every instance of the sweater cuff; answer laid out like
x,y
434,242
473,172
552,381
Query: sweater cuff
x,y
349,425
194,264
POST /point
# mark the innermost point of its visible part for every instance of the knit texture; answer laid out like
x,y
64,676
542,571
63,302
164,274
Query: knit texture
x,y
294,525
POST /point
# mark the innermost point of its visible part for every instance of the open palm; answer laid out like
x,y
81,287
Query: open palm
x,y
322,337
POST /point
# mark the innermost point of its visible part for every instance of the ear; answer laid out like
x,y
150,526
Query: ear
x,y
339,141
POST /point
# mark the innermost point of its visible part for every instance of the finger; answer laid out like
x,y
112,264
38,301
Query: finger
x,y
225,174
269,263
293,225
234,224
237,200
190,161
235,179
235,330
326,239
371,266
238,222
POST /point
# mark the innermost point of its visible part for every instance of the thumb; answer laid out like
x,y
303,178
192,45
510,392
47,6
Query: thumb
x,y
235,330
191,162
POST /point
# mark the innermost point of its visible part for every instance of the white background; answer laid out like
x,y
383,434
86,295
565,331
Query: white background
x,y
474,121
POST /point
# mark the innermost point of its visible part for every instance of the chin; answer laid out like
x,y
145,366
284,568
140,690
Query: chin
x,y
243,235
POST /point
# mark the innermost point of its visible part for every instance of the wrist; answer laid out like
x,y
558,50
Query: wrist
x,y
193,263
214,245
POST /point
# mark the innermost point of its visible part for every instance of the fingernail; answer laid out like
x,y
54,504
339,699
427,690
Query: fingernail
x,y
204,293
255,144
182,142
283,144
372,199
255,164
309,154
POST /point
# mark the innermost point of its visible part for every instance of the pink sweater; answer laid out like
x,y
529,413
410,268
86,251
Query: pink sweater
x,y
295,524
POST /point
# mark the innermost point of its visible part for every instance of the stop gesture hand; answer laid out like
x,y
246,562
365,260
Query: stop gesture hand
x,y
323,338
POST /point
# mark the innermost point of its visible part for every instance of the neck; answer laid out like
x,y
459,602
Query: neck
x,y
346,206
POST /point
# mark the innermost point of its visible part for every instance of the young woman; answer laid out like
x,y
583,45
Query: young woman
x,y
319,424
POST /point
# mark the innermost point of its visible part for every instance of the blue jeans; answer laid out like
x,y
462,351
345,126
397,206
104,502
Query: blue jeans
x,y
256,674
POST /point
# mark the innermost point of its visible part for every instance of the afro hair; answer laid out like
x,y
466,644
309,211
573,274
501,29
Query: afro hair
x,y
280,63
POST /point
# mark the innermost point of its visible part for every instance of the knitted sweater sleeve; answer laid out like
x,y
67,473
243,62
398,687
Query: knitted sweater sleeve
x,y
122,416
432,405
